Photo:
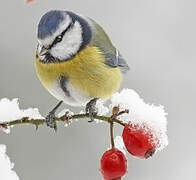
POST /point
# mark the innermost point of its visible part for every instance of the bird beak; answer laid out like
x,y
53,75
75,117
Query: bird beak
x,y
42,50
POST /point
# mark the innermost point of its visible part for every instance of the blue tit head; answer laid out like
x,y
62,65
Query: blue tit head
x,y
61,35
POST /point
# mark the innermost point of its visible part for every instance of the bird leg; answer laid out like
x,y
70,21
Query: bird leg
x,y
91,109
50,118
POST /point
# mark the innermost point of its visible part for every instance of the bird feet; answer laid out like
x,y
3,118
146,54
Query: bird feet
x,y
91,109
50,120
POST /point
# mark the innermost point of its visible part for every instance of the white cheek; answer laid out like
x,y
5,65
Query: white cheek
x,y
70,44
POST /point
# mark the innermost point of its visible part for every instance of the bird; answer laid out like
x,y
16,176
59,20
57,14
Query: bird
x,y
76,61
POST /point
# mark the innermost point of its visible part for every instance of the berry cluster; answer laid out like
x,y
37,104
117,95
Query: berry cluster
x,y
139,142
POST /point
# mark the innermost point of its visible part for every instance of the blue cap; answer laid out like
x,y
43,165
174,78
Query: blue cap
x,y
49,23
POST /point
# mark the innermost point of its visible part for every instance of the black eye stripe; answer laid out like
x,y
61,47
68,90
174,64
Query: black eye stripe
x,y
56,40
68,28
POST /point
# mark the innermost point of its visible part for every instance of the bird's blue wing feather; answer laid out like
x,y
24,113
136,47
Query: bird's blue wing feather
x,y
113,58
116,60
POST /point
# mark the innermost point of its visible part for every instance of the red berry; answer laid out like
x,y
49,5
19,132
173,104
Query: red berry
x,y
138,141
113,164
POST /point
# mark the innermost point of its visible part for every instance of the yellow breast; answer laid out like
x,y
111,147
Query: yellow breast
x,y
86,71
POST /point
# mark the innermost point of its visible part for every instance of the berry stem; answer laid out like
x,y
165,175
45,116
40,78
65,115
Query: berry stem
x,y
112,133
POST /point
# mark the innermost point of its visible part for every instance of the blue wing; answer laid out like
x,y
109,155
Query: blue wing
x,y
100,39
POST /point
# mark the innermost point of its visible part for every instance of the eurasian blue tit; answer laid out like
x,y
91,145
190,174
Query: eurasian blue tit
x,y
76,61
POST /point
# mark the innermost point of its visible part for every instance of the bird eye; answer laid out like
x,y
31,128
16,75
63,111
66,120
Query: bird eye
x,y
59,38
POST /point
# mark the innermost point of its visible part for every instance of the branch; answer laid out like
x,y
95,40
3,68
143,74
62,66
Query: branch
x,y
65,118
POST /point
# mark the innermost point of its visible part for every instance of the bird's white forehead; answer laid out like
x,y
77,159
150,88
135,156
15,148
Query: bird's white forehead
x,y
62,26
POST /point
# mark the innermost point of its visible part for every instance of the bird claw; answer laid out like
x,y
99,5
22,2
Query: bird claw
x,y
91,109
50,120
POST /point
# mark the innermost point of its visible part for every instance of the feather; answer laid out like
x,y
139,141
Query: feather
x,y
100,39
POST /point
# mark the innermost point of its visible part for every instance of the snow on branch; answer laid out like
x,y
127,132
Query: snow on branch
x,y
10,112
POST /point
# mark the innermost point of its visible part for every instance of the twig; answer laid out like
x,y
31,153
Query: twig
x,y
38,122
